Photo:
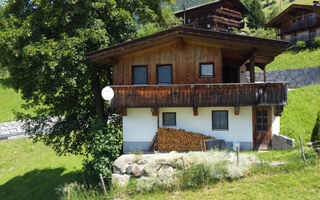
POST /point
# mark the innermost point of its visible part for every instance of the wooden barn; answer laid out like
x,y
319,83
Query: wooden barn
x,y
218,15
298,23
195,79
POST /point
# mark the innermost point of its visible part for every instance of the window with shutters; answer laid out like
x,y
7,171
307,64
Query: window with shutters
x,y
164,74
169,119
220,120
140,75
206,70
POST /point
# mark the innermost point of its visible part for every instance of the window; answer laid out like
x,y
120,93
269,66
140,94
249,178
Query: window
x,y
140,75
262,120
164,74
220,120
207,70
169,119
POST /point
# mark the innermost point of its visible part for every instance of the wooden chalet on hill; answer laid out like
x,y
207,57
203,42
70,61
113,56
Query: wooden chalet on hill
x,y
195,79
298,23
218,15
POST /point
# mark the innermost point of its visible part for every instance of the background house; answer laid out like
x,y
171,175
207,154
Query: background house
x,y
219,15
195,79
298,23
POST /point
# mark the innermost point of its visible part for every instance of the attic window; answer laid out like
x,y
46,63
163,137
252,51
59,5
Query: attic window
x,y
206,70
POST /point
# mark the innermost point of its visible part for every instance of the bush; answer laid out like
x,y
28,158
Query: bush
x,y
316,42
301,45
103,151
315,137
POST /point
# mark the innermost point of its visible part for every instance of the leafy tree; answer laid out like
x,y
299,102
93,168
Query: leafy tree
x,y
43,45
256,17
275,11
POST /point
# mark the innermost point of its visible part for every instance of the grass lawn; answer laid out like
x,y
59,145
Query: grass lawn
x,y
9,100
302,184
293,60
33,171
300,115
286,3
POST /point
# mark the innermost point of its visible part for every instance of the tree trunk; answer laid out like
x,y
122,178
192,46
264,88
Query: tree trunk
x,y
98,100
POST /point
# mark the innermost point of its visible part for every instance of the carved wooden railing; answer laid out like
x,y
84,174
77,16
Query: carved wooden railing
x,y
200,95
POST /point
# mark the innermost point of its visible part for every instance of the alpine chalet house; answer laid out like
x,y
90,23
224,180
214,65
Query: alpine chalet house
x,y
195,79
298,23
219,15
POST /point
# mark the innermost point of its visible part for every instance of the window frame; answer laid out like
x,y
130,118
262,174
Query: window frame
x,y
220,129
205,76
135,66
175,119
164,65
262,123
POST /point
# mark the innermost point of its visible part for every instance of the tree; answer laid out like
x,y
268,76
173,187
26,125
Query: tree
x,y
315,137
43,45
256,17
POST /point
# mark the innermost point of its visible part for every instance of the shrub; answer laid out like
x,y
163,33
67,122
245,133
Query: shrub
x,y
316,42
301,45
315,137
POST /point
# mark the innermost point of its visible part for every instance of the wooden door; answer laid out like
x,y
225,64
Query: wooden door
x,y
261,118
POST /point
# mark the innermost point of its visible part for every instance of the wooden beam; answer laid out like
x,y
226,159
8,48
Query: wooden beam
x,y
195,111
112,61
123,112
237,110
278,110
181,43
155,111
250,55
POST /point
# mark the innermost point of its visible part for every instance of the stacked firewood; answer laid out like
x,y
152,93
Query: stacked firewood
x,y
169,139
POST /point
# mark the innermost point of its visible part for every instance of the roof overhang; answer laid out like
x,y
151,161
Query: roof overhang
x,y
234,46
291,11
239,2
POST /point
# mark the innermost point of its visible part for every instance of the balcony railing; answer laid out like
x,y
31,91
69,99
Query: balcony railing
x,y
199,95
230,13
299,26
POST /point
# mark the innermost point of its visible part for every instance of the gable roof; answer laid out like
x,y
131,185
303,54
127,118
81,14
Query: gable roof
x,y
238,46
239,2
294,8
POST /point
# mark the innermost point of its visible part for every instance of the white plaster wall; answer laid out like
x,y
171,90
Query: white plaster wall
x,y
240,126
303,35
243,74
139,125
275,123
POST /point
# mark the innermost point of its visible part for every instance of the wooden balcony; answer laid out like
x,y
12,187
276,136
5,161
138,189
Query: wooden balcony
x,y
230,13
300,26
200,95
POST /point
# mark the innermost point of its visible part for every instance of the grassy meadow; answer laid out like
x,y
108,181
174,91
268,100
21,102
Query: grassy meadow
x,y
9,100
300,114
293,60
31,171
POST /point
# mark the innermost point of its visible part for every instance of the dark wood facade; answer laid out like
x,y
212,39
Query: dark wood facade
x,y
220,15
184,49
200,95
298,23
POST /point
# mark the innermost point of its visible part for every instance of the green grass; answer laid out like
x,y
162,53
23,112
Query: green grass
x,y
300,114
286,3
293,60
9,100
33,171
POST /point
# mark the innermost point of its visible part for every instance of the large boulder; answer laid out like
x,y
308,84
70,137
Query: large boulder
x,y
135,170
121,164
121,180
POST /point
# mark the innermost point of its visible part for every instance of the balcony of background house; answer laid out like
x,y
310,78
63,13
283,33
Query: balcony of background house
x,y
300,25
200,95
229,12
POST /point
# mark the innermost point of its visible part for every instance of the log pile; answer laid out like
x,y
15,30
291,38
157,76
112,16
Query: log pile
x,y
169,139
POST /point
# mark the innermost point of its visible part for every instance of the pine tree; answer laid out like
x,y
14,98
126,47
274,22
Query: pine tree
x,y
256,16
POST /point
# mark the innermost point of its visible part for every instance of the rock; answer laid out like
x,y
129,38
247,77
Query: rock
x,y
142,162
166,170
137,170
277,163
121,164
121,180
